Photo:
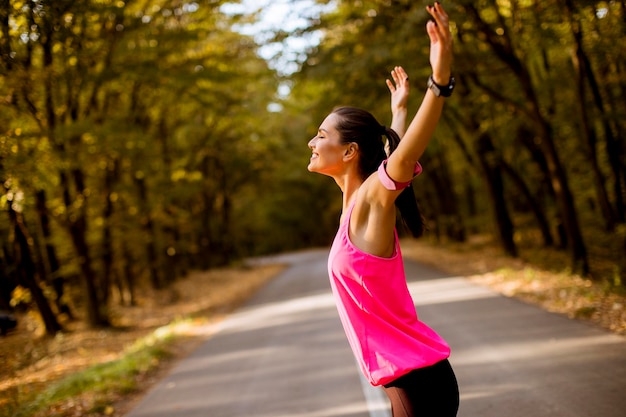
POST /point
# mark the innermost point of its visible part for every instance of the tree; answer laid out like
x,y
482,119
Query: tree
x,y
528,105
511,62
106,93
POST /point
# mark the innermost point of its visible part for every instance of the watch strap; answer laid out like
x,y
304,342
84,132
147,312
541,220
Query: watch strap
x,y
441,90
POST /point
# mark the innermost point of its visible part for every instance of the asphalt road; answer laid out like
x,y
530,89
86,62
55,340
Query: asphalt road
x,y
284,354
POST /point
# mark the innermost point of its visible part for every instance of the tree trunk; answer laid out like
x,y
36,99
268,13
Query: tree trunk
x,y
110,177
5,39
225,233
96,315
8,274
8,278
585,72
565,202
448,216
503,49
56,279
491,165
27,271
609,104
76,209
128,274
205,239
535,207
148,228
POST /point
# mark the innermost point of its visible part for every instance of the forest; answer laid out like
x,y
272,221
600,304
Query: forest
x,y
143,139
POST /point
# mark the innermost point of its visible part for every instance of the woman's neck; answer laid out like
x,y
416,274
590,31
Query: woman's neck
x,y
349,185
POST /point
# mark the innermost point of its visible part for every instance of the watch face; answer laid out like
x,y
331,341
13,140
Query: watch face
x,y
433,86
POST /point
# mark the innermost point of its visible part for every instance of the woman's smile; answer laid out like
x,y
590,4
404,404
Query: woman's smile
x,y
326,147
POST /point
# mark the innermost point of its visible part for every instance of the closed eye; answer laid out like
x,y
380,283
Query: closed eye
x,y
320,133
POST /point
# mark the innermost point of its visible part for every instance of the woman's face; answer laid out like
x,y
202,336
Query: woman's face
x,y
327,149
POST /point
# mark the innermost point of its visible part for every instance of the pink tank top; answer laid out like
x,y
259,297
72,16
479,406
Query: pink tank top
x,y
377,311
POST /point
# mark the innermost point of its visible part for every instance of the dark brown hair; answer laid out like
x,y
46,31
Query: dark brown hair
x,y
360,126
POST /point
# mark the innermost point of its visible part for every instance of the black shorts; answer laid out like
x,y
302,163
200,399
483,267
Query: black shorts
x,y
427,392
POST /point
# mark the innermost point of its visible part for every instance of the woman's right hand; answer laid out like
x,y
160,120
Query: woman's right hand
x,y
440,44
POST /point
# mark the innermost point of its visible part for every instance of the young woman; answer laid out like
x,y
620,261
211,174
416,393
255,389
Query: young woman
x,y
394,349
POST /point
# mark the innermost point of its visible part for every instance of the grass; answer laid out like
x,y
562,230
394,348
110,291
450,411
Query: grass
x,y
117,377
539,276
101,372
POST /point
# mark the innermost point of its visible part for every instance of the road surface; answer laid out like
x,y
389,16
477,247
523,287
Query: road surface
x,y
284,354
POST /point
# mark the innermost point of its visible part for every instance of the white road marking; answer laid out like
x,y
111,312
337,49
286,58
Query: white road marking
x,y
377,401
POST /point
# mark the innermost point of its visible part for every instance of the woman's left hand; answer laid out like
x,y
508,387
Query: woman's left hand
x,y
440,44
399,89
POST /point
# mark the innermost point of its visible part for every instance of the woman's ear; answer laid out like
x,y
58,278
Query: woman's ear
x,y
351,151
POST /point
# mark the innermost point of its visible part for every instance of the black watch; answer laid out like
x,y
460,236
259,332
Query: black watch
x,y
441,90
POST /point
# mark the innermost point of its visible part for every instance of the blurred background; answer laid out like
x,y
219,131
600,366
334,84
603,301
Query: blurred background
x,y
143,139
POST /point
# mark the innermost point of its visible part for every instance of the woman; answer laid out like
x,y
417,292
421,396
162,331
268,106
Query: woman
x,y
394,349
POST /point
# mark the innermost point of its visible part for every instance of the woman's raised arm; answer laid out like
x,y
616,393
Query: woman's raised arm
x,y
399,89
402,161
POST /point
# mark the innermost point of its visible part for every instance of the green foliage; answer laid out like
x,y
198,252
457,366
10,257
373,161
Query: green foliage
x,y
518,67
141,121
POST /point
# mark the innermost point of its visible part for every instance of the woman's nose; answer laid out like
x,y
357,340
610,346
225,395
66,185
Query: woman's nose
x,y
312,142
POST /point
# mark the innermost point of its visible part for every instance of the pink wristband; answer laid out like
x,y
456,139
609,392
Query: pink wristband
x,y
389,183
